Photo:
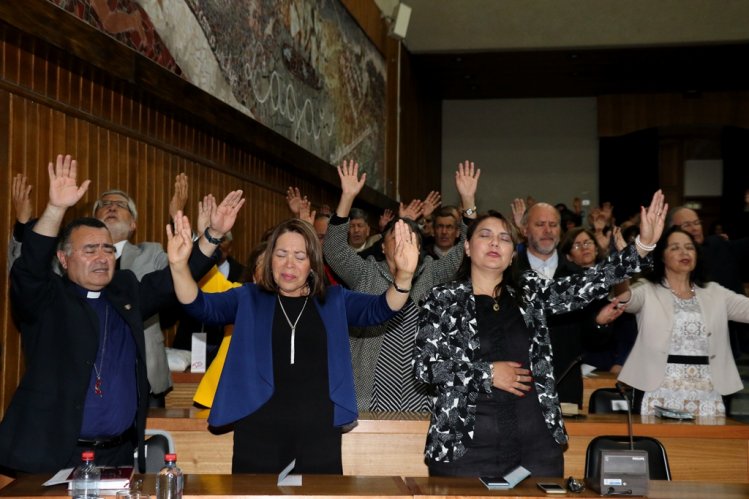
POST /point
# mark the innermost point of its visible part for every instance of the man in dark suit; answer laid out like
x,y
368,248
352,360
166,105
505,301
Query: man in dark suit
x,y
85,383
571,331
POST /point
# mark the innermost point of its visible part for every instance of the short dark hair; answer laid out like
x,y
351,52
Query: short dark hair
x,y
64,240
358,213
316,280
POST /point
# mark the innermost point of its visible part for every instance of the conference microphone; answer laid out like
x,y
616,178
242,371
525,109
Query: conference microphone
x,y
623,392
623,472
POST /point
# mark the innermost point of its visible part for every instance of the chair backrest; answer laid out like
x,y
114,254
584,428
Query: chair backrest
x,y
657,458
607,400
157,445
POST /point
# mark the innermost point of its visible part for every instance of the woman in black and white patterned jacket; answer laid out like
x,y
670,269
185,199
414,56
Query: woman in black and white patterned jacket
x,y
484,343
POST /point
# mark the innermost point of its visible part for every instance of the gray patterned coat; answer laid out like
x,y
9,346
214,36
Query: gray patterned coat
x,y
447,347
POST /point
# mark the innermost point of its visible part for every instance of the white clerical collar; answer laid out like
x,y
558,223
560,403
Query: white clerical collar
x,y
545,268
118,248
93,294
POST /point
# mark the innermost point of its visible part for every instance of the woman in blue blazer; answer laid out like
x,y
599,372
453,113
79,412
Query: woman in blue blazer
x,y
287,386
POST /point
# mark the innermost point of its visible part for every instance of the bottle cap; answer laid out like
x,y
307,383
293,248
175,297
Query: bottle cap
x,y
170,457
87,455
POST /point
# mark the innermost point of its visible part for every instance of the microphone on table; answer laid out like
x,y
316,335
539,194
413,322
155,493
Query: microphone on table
x,y
623,391
623,472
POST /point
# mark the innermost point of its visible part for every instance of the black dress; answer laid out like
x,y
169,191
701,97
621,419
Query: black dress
x,y
509,430
297,421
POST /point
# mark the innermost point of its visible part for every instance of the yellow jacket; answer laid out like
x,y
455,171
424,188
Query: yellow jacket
x,y
214,282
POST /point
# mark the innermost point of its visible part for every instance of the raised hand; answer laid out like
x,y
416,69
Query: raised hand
x,y
225,214
294,199
619,241
179,198
179,241
467,178
431,202
63,189
518,210
406,250
385,218
305,212
20,193
652,219
413,210
205,209
351,184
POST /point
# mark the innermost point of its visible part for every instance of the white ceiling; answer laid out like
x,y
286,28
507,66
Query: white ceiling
x,y
511,25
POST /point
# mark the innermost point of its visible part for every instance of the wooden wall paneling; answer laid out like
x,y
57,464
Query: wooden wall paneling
x,y
671,171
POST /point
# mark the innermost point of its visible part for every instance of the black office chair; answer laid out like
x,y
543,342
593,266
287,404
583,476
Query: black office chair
x,y
607,401
657,458
157,445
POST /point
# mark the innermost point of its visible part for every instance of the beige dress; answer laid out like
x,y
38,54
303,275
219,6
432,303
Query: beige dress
x,y
686,387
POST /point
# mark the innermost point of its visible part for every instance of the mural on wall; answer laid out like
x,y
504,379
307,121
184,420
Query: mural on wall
x,y
303,68
126,21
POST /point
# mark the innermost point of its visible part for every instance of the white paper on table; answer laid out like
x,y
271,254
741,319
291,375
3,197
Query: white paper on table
x,y
59,477
289,480
197,363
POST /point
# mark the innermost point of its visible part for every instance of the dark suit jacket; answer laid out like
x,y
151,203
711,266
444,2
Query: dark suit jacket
x,y
60,337
569,333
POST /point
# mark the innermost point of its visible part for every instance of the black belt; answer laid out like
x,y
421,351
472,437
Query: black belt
x,y
702,360
108,443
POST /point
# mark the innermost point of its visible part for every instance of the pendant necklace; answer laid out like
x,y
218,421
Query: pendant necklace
x,y
495,307
292,326
98,370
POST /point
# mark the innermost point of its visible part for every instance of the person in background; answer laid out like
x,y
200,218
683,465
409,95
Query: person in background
x,y
381,354
682,356
607,336
119,213
287,383
484,344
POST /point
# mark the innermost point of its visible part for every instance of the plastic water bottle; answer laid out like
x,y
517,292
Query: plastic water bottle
x,y
169,481
86,477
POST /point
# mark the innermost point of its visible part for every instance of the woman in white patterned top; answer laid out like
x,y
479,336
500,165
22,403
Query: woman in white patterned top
x,y
682,357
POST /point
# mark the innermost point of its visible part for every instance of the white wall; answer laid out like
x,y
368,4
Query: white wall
x,y
547,148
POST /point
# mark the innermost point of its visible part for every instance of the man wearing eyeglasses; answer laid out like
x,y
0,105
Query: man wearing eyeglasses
x,y
723,260
118,212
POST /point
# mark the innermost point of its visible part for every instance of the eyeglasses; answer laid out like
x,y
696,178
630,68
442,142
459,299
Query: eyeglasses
x,y
692,223
584,244
106,203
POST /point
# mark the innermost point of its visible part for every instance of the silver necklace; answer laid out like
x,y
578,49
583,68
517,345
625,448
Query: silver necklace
x,y
98,370
292,326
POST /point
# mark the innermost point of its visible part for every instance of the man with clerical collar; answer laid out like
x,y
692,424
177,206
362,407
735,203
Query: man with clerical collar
x,y
85,384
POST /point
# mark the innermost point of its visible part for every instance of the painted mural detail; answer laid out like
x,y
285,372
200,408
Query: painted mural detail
x,y
305,69
126,21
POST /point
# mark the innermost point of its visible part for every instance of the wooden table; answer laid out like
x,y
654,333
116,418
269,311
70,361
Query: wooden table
x,y
393,444
464,488
206,486
317,486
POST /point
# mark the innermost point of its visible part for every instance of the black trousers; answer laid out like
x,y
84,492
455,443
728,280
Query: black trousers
x,y
269,448
497,449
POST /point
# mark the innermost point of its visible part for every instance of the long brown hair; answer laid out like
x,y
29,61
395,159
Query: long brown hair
x,y
316,280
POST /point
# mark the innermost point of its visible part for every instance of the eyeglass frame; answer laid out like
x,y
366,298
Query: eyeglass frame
x,y
585,244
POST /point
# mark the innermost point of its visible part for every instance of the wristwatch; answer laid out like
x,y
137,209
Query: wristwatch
x,y
469,211
212,239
